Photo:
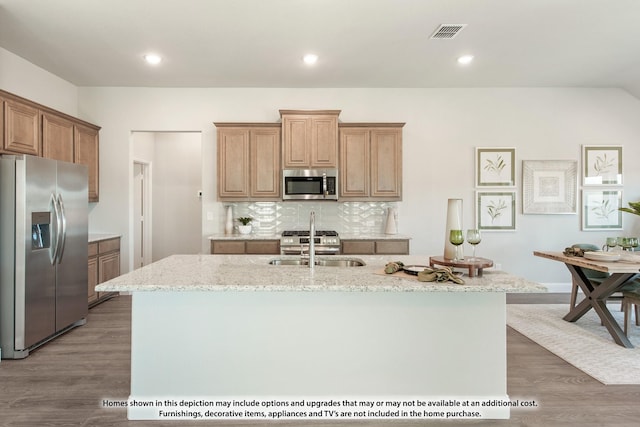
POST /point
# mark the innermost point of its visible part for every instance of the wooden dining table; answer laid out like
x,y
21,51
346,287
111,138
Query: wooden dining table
x,y
596,296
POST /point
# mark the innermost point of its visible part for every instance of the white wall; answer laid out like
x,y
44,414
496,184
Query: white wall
x,y
442,125
24,79
177,208
174,159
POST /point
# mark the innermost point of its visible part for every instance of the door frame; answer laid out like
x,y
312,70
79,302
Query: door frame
x,y
147,215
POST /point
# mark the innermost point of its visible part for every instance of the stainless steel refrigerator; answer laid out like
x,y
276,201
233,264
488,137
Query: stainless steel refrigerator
x,y
43,251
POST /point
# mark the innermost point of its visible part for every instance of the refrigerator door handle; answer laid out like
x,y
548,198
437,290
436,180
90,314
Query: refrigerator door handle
x,y
63,231
53,253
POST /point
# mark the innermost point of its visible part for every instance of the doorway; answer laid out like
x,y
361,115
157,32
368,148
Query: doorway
x,y
167,210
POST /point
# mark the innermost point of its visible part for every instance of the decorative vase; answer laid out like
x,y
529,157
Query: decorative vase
x,y
228,226
454,222
244,229
391,227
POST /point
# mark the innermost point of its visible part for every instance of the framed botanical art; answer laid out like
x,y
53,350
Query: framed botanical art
x,y
496,210
601,165
600,209
495,167
549,186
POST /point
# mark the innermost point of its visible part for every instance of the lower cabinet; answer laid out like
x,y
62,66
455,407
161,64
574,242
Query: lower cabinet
x,y
104,264
244,247
375,247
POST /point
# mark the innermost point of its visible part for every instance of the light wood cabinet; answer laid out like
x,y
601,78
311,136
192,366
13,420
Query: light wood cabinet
x,y
93,273
241,247
375,247
86,152
371,161
248,161
309,138
57,137
104,264
21,127
30,128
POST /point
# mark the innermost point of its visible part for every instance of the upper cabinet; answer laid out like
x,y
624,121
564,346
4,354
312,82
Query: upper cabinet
x,y
57,137
309,138
86,152
30,128
368,156
371,161
248,161
21,128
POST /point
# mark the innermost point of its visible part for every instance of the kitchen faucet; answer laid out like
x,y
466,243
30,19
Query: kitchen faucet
x,y
312,239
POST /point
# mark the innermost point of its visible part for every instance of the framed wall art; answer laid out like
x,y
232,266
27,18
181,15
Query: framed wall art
x,y
601,165
496,210
549,186
600,209
495,167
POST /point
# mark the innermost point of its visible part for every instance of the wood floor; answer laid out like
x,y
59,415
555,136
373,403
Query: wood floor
x,y
64,382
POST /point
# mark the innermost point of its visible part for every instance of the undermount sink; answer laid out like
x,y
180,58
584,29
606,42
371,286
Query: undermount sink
x,y
340,262
349,262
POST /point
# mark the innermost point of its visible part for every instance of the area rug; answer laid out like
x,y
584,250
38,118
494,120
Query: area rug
x,y
585,344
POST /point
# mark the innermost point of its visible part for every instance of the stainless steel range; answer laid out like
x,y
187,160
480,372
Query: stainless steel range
x,y
296,242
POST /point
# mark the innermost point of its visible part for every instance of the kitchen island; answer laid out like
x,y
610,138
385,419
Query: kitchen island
x,y
216,330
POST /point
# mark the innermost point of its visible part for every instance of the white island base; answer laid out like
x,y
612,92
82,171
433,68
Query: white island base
x,y
331,345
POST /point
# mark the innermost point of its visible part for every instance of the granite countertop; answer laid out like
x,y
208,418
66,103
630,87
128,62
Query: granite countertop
x,y
250,236
343,236
96,237
253,273
379,236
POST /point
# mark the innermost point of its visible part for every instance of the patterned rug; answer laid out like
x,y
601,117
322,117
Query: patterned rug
x,y
585,344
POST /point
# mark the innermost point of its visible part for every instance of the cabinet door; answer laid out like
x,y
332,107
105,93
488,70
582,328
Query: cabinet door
x,y
108,266
93,279
86,152
57,138
324,142
354,163
21,128
265,163
358,247
269,247
227,247
386,164
296,137
389,247
233,164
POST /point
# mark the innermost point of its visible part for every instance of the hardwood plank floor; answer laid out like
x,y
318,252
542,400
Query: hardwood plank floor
x,y
64,382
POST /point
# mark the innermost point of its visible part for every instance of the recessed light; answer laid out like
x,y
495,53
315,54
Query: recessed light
x,y
153,59
465,59
310,59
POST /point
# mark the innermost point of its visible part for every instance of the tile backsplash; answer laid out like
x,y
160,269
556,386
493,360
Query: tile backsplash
x,y
344,217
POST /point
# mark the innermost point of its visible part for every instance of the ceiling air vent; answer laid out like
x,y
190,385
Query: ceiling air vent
x,y
447,31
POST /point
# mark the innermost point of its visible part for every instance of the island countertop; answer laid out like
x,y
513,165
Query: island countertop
x,y
253,273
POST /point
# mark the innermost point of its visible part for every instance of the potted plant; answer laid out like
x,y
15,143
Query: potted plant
x,y
245,224
634,208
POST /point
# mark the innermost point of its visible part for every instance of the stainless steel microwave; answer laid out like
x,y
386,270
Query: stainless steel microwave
x,y
310,184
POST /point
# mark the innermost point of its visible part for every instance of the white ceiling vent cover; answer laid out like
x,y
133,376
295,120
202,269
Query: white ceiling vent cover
x,y
447,31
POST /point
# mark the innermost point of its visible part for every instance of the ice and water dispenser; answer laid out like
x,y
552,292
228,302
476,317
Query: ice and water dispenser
x,y
40,230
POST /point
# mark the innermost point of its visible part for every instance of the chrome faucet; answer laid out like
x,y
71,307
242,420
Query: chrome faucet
x,y
312,240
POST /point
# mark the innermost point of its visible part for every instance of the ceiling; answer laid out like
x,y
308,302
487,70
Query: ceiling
x,y
360,43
